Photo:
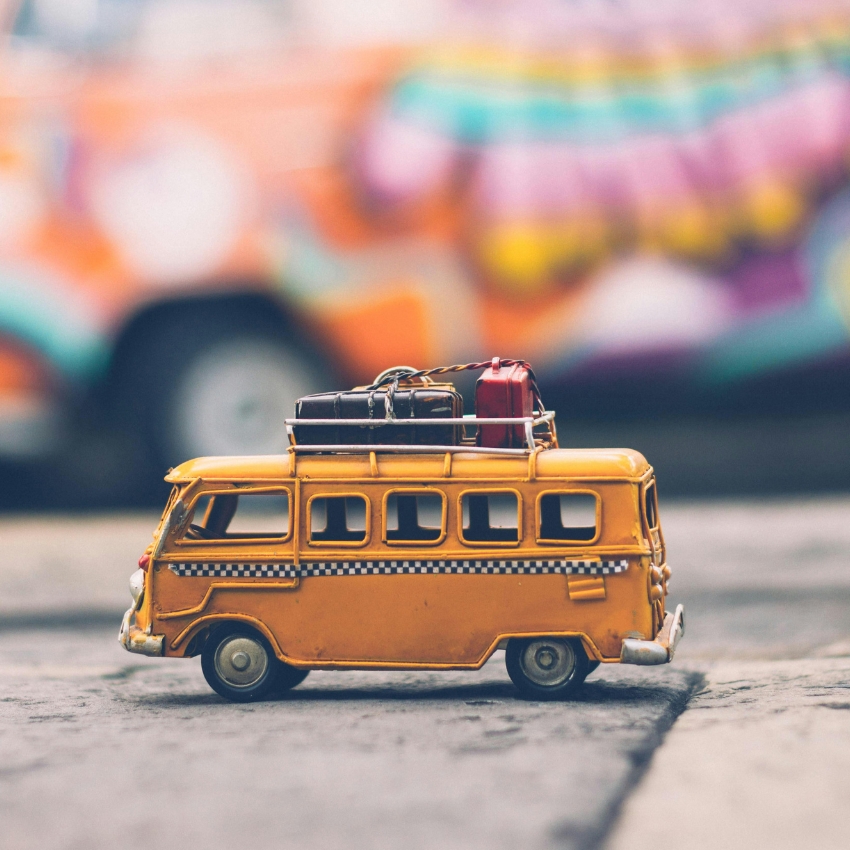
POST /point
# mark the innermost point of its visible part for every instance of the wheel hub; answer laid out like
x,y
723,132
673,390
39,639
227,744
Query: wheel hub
x,y
548,662
546,658
241,661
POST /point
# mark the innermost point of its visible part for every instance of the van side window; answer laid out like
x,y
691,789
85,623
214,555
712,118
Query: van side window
x,y
338,518
245,516
567,516
651,513
490,517
414,517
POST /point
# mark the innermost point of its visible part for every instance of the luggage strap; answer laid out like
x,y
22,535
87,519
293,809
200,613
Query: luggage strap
x,y
390,378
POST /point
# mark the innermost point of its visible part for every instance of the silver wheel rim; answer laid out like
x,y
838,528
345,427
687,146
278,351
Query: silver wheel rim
x,y
241,661
547,662
233,399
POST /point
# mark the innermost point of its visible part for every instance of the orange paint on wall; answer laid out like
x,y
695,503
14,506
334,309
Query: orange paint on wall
x,y
394,328
346,219
327,194
20,371
527,325
76,249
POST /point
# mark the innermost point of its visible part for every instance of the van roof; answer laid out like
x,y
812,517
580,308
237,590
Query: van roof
x,y
553,463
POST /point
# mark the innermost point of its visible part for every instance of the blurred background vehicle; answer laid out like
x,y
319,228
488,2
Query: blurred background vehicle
x,y
211,207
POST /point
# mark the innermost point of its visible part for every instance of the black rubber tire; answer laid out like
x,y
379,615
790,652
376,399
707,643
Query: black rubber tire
x,y
267,680
591,666
173,437
288,677
150,382
562,686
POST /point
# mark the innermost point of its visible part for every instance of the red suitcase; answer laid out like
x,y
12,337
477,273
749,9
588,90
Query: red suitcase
x,y
504,391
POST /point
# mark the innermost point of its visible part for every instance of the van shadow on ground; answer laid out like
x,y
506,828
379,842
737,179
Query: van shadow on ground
x,y
595,692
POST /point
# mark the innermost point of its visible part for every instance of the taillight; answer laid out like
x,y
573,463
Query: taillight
x,y
144,562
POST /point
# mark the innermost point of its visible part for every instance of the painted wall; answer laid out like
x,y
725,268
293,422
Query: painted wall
x,y
577,183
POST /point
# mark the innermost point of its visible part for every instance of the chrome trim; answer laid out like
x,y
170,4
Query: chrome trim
x,y
545,417
529,423
660,650
134,639
643,652
677,631
142,643
343,447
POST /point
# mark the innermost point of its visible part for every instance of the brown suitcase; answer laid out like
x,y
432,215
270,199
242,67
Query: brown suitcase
x,y
425,401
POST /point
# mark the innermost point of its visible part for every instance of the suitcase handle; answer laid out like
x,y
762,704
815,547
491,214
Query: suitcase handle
x,y
393,376
401,371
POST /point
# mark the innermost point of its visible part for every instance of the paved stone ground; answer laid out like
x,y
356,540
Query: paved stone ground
x,y
761,758
769,579
97,746
65,567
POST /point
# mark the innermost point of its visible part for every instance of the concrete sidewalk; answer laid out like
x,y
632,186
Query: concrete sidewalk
x,y
57,569
761,758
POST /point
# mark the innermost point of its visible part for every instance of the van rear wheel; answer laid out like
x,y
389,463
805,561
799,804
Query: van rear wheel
x,y
546,668
239,664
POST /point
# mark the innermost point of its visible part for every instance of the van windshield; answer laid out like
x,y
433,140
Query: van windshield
x,y
234,516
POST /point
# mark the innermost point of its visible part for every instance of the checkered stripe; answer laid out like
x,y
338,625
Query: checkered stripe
x,y
360,568
235,570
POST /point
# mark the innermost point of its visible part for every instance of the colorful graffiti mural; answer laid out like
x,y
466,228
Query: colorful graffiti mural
x,y
709,138
582,183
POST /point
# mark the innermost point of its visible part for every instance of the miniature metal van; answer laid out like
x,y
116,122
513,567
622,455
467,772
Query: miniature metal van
x,y
408,557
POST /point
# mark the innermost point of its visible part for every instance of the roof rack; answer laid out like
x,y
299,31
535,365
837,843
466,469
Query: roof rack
x,y
529,423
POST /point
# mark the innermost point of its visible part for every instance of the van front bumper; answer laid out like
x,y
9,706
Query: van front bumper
x,y
134,639
660,650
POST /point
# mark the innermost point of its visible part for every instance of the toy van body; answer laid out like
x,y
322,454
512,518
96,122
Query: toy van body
x,y
423,558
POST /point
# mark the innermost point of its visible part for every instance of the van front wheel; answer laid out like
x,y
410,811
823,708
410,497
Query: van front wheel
x,y
546,667
239,664
288,677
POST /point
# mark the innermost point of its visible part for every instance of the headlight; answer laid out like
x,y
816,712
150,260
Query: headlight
x,y
137,584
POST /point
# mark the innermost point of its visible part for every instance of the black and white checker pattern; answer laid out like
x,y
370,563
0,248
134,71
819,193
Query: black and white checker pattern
x,y
360,568
234,570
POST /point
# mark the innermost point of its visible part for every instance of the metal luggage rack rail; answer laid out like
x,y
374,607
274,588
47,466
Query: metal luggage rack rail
x,y
529,423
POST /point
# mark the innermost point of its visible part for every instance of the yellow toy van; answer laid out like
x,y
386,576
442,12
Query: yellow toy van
x,y
430,557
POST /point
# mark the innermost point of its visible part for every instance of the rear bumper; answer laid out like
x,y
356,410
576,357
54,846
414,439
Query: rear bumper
x,y
660,650
134,639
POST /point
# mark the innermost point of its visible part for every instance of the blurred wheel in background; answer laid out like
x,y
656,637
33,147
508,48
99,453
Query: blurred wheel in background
x,y
189,378
231,396
212,377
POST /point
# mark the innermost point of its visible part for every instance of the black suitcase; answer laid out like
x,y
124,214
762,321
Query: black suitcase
x,y
430,401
